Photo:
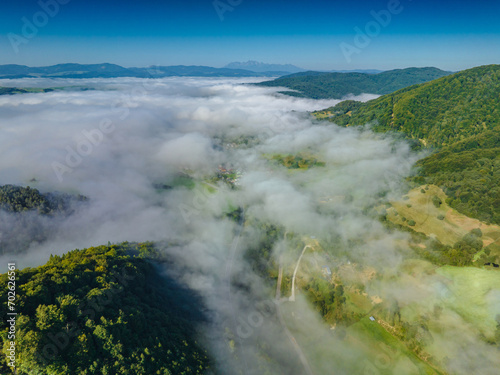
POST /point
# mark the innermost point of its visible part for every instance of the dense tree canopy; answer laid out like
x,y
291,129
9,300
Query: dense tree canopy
x,y
317,85
27,216
440,112
19,199
17,90
469,173
103,310
459,117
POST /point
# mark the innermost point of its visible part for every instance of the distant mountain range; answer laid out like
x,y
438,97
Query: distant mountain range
x,y
260,67
320,85
287,69
367,71
235,69
114,71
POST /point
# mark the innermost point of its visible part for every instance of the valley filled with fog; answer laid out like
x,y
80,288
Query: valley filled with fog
x,y
238,186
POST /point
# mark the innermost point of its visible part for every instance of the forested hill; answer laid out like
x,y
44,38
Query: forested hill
x,y
18,90
28,216
20,199
459,116
102,310
318,85
440,112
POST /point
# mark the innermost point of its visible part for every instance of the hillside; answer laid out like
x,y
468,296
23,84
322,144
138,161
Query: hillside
x,y
107,311
317,85
469,173
460,116
28,216
440,112
19,199
18,90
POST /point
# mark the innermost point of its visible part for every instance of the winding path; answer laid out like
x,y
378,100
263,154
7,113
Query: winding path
x,y
292,297
292,339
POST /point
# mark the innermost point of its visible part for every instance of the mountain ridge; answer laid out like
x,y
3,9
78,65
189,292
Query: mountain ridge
x,y
320,85
458,118
261,67
439,112
107,70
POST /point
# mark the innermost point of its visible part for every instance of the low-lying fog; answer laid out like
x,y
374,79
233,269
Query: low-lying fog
x,y
122,142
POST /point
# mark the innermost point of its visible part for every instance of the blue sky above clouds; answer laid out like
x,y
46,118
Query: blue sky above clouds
x,y
313,34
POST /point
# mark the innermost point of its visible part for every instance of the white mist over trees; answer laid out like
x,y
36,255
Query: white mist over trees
x,y
126,143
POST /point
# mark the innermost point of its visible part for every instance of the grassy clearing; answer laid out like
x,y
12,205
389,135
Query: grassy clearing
x,y
471,292
358,303
474,295
183,181
365,348
301,161
417,267
320,115
384,353
420,208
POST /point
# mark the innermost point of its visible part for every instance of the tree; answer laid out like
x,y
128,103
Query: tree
x,y
436,201
103,310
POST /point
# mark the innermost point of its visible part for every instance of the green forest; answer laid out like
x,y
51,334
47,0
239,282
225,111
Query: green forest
x,y
26,213
18,90
317,85
115,309
300,161
103,310
469,173
458,118
440,112
20,199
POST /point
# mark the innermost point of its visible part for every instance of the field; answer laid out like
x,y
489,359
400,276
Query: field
x,y
384,354
320,115
419,207
462,299
474,295
364,348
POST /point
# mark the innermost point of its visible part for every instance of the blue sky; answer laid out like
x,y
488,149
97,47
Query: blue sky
x,y
312,34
